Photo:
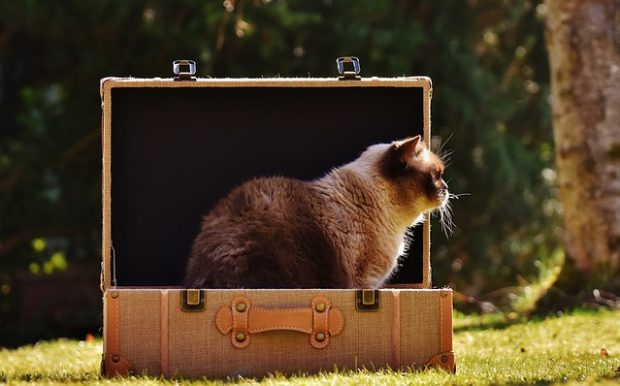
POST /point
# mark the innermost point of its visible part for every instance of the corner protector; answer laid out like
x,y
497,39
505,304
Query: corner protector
x,y
443,361
114,365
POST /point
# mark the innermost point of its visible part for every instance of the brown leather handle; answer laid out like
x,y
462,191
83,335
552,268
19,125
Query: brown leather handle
x,y
241,320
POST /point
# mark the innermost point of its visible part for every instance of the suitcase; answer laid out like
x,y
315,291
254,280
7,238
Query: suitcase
x,y
172,147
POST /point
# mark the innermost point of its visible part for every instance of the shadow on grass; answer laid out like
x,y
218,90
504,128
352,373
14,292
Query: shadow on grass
x,y
486,325
498,322
502,321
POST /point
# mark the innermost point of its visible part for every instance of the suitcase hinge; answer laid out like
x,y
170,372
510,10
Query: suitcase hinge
x,y
184,70
367,299
352,73
192,300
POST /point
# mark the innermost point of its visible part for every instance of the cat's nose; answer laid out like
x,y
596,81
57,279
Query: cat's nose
x,y
444,185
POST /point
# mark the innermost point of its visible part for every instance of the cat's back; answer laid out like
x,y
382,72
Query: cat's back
x,y
271,196
263,233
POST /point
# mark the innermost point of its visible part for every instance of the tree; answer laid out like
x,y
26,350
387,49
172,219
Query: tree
x,y
583,40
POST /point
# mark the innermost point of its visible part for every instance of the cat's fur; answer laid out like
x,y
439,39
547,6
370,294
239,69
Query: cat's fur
x,y
341,231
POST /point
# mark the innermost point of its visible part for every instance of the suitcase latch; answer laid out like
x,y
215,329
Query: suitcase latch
x,y
184,69
192,300
348,68
367,300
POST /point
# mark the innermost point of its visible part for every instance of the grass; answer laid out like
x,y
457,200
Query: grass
x,y
566,349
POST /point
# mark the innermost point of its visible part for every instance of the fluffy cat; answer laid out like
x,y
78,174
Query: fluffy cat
x,y
341,231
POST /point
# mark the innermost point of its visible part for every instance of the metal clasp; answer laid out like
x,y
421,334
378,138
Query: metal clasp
x,y
192,300
351,73
184,69
367,300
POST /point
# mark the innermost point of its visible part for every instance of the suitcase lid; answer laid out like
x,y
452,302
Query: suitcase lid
x,y
172,148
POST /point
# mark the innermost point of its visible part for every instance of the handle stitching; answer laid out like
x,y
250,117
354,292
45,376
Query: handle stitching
x,y
288,328
281,310
218,321
340,321
337,313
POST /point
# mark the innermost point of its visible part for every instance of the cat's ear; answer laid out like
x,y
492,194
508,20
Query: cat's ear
x,y
409,148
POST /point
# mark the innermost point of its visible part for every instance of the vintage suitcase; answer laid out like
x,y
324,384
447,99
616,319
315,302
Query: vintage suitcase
x,y
171,148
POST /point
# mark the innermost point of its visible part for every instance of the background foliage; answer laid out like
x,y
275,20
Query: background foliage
x,y
490,74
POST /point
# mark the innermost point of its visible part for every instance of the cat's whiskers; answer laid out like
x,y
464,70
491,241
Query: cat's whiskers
x,y
445,216
456,196
444,143
445,157
446,213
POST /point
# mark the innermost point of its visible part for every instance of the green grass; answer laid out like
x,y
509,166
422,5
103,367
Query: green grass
x,y
563,349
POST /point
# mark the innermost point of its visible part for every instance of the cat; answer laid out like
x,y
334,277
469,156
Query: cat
x,y
344,230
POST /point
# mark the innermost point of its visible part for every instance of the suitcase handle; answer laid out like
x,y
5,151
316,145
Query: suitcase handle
x,y
241,320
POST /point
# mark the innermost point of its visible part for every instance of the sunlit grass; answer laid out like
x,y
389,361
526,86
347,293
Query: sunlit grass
x,y
565,349
56,361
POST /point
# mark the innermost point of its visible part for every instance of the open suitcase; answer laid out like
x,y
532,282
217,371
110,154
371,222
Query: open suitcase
x,y
171,148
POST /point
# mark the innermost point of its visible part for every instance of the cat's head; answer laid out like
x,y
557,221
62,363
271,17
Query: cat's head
x,y
415,174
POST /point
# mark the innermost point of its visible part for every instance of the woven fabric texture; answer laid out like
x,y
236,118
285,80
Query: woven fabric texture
x,y
139,329
197,348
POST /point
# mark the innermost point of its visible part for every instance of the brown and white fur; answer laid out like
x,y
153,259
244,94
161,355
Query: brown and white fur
x,y
345,230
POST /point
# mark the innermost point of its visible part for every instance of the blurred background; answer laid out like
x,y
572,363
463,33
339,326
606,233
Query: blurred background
x,y
490,107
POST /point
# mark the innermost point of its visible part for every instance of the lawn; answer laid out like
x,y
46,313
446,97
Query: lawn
x,y
579,348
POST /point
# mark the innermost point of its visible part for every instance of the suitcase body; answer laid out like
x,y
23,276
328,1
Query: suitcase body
x,y
148,331
171,148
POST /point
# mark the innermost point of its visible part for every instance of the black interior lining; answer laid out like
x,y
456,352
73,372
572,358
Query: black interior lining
x,y
176,151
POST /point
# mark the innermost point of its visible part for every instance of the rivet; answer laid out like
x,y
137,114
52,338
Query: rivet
x,y
115,358
240,337
444,358
241,307
319,337
114,294
443,294
320,307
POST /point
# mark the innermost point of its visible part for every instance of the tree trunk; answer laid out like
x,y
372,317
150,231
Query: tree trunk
x,y
583,41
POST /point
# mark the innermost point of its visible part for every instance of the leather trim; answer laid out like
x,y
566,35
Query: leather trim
x,y
119,368
264,319
111,322
223,320
164,349
444,361
320,323
114,364
294,319
240,323
336,321
396,330
254,320
445,304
